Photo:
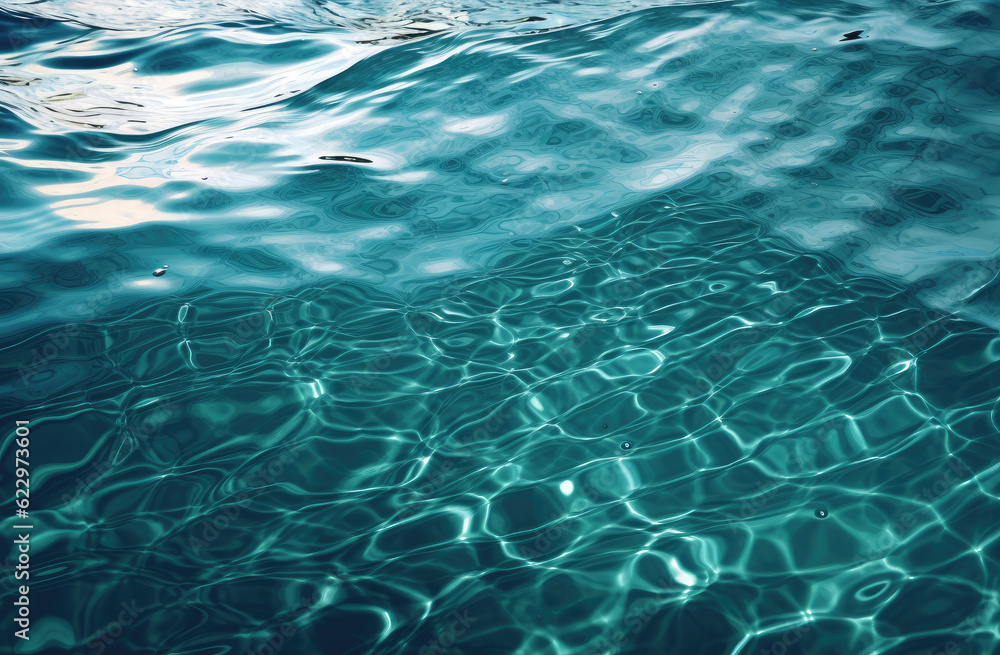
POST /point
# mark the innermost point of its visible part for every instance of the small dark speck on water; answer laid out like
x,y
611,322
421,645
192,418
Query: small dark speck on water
x,y
821,513
626,445
160,271
605,426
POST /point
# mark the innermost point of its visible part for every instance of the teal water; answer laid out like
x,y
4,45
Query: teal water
x,y
516,328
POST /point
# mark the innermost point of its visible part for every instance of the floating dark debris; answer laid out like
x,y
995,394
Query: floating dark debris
x,y
160,271
821,513
626,445
851,36
11,80
529,19
356,160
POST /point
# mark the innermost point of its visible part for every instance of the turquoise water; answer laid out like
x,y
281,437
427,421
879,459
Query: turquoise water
x,y
515,328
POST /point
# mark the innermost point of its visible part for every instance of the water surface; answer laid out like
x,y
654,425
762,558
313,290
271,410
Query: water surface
x,y
430,266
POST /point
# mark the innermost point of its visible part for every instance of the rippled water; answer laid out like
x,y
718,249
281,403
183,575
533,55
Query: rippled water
x,y
516,328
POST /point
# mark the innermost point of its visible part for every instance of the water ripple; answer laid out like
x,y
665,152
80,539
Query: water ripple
x,y
424,270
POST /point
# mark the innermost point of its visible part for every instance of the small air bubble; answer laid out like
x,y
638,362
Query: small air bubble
x,y
814,49
626,445
135,70
638,93
567,262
